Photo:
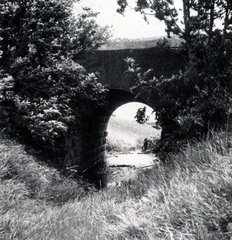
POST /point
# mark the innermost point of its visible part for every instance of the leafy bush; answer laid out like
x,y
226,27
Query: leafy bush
x,y
197,99
44,92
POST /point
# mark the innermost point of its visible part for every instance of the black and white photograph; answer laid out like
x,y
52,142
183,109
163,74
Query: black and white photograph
x,y
115,119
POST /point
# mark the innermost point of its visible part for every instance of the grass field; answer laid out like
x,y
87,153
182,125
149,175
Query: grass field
x,y
188,199
125,135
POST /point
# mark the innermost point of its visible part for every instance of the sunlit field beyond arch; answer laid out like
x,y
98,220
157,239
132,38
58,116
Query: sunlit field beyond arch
x,y
124,133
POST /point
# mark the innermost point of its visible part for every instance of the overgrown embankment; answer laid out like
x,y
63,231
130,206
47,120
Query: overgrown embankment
x,y
190,198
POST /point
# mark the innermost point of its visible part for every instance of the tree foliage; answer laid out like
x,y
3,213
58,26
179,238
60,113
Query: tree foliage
x,y
43,89
140,116
199,98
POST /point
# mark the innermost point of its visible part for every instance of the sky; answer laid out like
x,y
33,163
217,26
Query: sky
x,y
128,111
130,26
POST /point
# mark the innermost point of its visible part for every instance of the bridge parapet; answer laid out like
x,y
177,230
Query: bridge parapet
x,y
112,66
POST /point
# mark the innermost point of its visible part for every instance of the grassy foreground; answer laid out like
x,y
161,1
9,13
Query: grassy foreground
x,y
189,199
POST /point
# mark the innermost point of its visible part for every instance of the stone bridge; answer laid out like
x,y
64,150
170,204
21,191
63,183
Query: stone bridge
x,y
87,147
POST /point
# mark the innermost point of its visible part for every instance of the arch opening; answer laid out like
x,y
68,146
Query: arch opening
x,y
126,136
94,140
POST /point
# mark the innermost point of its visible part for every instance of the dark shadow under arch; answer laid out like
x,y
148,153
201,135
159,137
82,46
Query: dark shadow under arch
x,y
119,97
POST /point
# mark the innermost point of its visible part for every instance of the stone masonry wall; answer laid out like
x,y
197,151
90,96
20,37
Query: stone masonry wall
x,y
94,142
112,66
87,147
74,150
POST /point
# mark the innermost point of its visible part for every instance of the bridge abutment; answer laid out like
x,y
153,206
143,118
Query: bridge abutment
x,y
86,147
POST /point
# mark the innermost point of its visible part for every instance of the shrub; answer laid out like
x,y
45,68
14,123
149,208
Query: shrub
x,y
44,93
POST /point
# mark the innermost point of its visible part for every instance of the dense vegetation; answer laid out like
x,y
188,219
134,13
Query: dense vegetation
x,y
189,199
44,93
197,99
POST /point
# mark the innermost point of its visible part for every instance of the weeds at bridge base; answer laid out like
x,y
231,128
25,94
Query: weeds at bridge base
x,y
189,199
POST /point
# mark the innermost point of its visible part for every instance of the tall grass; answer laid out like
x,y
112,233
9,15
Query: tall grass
x,y
188,199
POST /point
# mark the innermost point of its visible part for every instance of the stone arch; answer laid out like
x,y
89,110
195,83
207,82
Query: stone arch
x,y
119,97
87,147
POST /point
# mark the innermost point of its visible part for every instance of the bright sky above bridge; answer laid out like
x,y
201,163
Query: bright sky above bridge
x,y
130,26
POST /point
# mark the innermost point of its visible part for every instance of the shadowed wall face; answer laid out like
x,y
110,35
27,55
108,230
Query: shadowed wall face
x,y
112,66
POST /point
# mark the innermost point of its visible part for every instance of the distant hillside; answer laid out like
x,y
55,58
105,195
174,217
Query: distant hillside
x,y
122,43
125,135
